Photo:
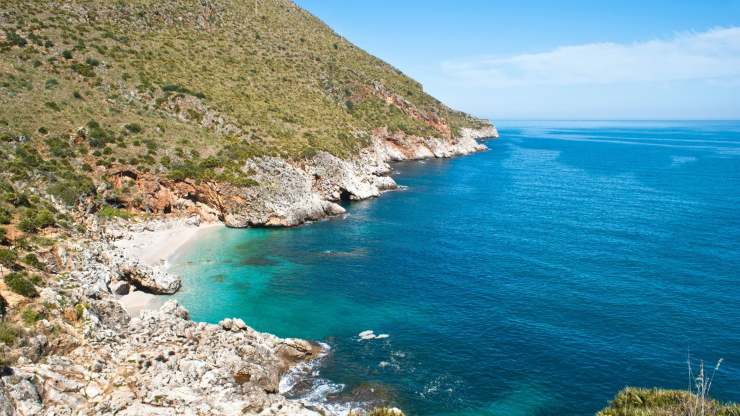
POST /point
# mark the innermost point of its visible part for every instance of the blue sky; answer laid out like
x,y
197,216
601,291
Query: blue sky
x,y
557,59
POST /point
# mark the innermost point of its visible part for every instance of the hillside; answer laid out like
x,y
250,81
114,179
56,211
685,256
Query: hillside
x,y
191,90
250,113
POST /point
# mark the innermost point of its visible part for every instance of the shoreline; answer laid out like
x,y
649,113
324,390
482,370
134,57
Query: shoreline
x,y
155,247
154,242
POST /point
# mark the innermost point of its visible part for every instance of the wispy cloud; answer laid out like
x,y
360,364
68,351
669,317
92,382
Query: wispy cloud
x,y
714,54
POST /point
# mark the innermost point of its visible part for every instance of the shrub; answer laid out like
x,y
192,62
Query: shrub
x,y
18,283
86,70
13,38
52,105
134,128
31,316
77,95
67,54
51,83
5,216
8,333
8,257
19,199
97,135
3,234
34,220
72,188
33,261
108,211
92,62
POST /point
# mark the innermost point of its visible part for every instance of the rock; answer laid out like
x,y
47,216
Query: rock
x,y
35,347
120,288
149,279
49,296
366,335
239,324
226,324
171,307
93,390
21,395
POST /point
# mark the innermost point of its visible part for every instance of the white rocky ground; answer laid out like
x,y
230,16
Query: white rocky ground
x,y
156,363
291,193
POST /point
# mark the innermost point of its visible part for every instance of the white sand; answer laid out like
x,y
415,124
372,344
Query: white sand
x,y
155,247
138,301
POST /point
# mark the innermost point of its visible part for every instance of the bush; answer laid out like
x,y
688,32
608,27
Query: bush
x,y
31,316
86,70
108,211
15,39
67,54
134,128
35,220
8,257
3,234
33,261
18,283
8,333
92,62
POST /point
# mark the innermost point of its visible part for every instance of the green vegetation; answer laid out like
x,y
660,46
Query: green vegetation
x,y
278,81
180,90
659,402
19,283
33,261
8,333
30,316
8,257
34,220
108,211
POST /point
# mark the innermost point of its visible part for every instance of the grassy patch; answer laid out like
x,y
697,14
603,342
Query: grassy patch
x,y
19,283
660,402
108,211
8,333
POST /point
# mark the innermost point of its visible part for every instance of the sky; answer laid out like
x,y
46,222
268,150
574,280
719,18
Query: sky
x,y
562,59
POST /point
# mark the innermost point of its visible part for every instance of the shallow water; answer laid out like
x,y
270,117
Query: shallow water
x,y
538,278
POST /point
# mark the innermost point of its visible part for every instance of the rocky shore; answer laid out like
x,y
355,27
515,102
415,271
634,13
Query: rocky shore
x,y
93,353
286,192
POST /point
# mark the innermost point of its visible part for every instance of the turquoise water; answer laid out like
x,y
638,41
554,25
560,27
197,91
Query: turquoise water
x,y
538,278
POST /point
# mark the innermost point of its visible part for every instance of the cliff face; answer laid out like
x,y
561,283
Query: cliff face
x,y
289,193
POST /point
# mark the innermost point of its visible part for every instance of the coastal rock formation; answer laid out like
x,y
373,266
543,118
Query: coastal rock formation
x,y
104,361
291,192
159,363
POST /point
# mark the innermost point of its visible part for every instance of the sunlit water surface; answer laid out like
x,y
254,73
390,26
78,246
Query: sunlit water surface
x,y
537,278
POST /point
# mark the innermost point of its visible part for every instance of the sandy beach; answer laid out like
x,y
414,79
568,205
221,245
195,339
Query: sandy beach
x,y
154,248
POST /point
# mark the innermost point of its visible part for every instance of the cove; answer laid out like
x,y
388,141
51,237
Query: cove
x,y
537,278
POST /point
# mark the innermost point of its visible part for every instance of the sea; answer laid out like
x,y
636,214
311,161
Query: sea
x,y
540,277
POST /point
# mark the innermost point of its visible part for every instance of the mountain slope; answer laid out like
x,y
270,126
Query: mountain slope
x,y
188,91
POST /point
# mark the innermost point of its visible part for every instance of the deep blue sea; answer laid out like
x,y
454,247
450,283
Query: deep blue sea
x,y
570,260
